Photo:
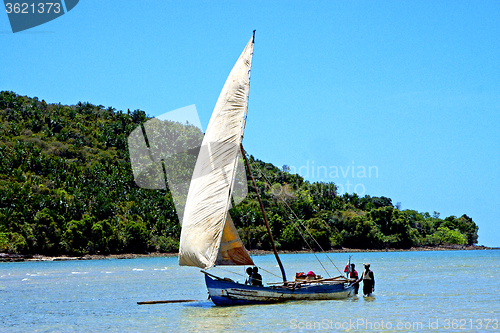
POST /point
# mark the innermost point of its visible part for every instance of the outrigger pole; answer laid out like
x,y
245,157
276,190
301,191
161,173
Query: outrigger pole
x,y
264,214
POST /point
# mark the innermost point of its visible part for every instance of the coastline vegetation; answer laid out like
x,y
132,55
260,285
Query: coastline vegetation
x,y
67,187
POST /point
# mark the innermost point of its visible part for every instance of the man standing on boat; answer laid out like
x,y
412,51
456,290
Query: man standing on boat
x,y
368,280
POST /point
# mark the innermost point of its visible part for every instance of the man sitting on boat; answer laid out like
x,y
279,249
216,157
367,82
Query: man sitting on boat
x,y
249,279
256,277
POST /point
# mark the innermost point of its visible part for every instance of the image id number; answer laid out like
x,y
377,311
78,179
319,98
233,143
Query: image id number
x,y
471,324
40,8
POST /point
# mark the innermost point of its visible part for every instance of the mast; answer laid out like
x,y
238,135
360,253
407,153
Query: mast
x,y
253,180
248,93
264,215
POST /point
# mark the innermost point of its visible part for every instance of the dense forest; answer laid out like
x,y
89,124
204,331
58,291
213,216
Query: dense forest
x,y
67,187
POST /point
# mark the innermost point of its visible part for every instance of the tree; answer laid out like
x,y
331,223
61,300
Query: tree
x,y
66,187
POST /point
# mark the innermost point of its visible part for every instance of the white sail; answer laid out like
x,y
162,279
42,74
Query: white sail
x,y
206,221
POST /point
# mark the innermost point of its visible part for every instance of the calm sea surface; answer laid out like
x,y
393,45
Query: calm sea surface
x,y
436,291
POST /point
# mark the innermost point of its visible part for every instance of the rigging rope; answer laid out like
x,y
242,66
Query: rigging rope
x,y
265,270
306,229
227,270
311,237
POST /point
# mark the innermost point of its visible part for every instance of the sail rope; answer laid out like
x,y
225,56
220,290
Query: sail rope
x,y
233,272
265,270
305,228
227,270
299,231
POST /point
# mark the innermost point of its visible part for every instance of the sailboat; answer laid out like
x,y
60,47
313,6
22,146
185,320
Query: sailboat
x,y
208,235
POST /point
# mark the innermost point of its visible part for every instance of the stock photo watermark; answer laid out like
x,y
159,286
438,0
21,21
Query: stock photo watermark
x,y
341,175
26,14
162,158
381,325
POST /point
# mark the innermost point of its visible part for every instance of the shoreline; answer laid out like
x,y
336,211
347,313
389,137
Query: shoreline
x,y
5,257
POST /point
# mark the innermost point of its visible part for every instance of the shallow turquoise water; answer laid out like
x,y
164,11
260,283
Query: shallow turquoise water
x,y
435,291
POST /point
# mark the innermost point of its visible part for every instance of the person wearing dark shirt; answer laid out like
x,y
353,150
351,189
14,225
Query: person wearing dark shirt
x,y
249,279
354,275
256,277
368,281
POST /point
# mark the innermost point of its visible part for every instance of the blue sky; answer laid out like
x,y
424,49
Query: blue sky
x,y
408,88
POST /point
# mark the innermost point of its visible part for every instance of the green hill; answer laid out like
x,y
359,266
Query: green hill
x,y
67,187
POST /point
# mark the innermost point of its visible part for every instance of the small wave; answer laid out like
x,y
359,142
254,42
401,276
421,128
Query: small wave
x,y
25,279
138,269
79,272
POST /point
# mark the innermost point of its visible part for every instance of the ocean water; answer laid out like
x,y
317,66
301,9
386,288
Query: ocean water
x,y
432,291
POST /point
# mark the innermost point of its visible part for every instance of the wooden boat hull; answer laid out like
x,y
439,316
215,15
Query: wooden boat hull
x,y
224,293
